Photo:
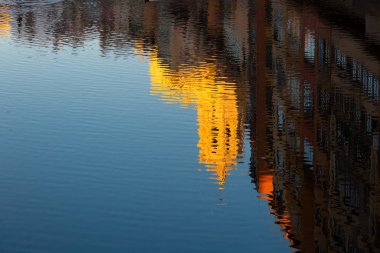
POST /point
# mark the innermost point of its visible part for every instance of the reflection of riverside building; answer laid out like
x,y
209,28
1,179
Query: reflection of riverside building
x,y
324,147
5,26
215,99
183,71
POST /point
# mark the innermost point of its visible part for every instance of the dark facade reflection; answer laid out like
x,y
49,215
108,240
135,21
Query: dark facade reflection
x,y
320,85
299,79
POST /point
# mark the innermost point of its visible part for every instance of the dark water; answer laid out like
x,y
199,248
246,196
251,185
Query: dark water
x,y
189,126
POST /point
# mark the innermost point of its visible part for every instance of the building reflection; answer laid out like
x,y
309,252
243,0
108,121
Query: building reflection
x,y
184,70
5,27
215,100
304,89
321,127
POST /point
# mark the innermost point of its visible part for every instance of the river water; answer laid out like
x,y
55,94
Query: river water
x,y
189,126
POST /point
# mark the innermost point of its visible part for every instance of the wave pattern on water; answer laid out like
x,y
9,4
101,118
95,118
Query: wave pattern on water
x,y
282,90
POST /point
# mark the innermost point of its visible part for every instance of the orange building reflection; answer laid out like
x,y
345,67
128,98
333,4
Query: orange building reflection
x,y
215,100
5,22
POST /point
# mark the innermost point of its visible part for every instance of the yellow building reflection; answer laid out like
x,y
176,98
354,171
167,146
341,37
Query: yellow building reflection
x,y
5,22
215,100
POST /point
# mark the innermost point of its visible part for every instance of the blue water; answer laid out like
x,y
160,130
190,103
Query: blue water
x,y
91,162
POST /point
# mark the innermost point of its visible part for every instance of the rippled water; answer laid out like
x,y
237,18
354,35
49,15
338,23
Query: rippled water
x,y
189,126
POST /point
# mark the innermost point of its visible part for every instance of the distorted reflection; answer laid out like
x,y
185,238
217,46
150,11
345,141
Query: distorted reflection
x,y
5,27
321,129
299,80
220,127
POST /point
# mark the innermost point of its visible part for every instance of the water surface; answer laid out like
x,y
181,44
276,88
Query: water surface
x,y
189,126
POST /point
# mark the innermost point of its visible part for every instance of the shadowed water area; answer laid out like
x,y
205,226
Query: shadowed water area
x,y
189,126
